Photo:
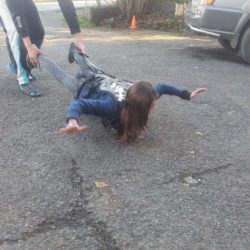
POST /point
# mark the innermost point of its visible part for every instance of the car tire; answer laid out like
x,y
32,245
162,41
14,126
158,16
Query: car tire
x,y
225,43
245,46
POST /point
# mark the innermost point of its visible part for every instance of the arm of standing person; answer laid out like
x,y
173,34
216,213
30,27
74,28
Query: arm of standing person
x,y
70,16
162,88
17,10
32,50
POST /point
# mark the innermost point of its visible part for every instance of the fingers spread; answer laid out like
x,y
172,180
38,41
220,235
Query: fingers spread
x,y
82,128
73,129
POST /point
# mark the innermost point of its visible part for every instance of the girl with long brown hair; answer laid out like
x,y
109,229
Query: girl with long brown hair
x,y
123,105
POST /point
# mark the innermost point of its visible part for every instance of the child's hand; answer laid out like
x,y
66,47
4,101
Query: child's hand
x,y
197,91
73,127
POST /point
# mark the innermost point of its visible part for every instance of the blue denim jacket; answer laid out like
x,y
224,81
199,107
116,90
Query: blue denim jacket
x,y
104,105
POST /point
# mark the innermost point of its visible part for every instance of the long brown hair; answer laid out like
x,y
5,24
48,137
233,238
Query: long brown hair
x,y
134,115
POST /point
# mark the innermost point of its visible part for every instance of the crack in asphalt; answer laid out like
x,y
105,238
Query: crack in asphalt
x,y
205,171
212,170
77,217
181,176
99,228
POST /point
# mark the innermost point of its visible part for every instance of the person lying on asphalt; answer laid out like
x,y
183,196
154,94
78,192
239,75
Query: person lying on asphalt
x,y
123,105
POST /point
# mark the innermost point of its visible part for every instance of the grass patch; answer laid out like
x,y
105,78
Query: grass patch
x,y
84,22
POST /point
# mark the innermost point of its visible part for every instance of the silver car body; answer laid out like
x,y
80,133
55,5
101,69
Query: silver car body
x,y
224,18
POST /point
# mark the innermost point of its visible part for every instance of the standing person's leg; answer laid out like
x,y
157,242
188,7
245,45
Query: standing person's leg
x,y
12,65
14,42
36,31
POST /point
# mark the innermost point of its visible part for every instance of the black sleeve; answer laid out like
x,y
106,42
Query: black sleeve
x,y
163,88
17,10
69,14
185,95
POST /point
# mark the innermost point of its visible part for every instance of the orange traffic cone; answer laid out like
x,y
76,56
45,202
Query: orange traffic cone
x,y
133,23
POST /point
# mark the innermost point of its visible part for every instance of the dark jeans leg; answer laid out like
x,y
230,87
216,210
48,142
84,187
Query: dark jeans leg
x,y
70,82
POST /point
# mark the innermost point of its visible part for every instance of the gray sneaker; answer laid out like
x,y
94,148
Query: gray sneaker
x,y
30,89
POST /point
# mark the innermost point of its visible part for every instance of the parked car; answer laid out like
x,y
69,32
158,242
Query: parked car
x,y
228,20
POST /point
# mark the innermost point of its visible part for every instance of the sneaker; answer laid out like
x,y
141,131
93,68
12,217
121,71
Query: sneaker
x,y
87,68
30,90
73,49
11,68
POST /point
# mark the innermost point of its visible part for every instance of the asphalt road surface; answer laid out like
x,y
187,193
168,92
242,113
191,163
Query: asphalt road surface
x,y
185,186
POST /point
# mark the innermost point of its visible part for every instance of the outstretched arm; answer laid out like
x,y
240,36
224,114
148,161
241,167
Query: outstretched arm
x,y
104,108
196,92
166,89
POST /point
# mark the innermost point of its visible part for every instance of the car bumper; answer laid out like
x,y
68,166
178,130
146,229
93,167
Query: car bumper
x,y
214,21
202,31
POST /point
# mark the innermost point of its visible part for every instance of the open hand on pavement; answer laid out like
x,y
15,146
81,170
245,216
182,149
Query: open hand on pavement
x,y
73,127
196,92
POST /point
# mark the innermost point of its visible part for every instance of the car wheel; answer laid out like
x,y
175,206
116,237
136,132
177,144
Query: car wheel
x,y
225,43
245,46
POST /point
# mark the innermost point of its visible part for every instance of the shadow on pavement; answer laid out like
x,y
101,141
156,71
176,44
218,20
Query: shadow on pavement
x,y
202,53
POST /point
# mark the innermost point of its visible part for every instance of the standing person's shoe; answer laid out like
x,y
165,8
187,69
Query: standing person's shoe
x,y
30,89
11,68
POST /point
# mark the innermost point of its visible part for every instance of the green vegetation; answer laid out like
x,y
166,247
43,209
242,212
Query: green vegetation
x,y
159,22
84,22
157,15
108,16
